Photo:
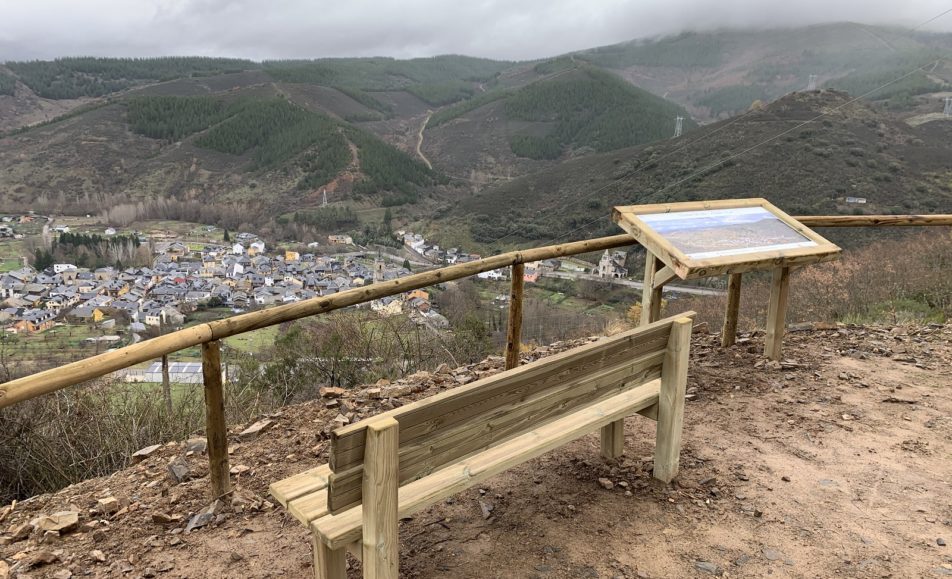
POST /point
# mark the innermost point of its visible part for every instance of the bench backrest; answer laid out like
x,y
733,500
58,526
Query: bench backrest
x,y
442,429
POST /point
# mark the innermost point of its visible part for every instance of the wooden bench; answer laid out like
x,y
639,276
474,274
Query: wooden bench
x,y
399,462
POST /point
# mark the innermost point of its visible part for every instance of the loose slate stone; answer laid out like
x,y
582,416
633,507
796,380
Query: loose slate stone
x,y
144,453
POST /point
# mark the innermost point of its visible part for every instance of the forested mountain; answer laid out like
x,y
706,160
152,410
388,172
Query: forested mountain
x,y
722,72
854,150
70,78
385,132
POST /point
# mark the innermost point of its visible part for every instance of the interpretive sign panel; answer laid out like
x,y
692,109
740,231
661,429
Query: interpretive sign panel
x,y
700,239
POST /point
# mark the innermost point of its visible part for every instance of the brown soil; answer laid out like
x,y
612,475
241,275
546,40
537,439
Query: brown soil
x,y
835,463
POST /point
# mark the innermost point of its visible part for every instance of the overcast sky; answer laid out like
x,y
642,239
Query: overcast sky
x,y
505,29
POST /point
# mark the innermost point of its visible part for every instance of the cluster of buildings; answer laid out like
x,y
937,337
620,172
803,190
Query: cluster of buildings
x,y
239,276
432,252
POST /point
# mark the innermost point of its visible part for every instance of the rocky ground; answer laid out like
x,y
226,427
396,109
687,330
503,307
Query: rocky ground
x,y
833,463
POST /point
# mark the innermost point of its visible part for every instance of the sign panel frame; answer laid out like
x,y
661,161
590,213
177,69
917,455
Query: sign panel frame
x,y
814,249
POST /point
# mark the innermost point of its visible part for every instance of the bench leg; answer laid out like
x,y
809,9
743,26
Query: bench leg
x,y
329,563
613,439
381,558
674,378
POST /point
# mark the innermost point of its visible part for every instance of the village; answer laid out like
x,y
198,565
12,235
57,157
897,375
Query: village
x,y
234,276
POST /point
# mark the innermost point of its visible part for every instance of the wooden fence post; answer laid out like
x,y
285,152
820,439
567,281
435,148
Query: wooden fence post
x,y
215,428
729,332
514,334
381,543
650,295
777,312
166,385
674,379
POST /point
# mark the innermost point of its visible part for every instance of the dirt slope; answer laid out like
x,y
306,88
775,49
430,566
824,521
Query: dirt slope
x,y
835,463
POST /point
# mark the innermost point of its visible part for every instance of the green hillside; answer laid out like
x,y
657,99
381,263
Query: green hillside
x,y
69,78
274,133
721,72
855,151
7,84
592,109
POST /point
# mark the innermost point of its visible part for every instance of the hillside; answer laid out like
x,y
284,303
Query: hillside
x,y
576,111
855,150
230,148
720,73
779,461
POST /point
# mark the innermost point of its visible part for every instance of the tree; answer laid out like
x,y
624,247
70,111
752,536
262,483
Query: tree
x,y
388,222
227,237
406,264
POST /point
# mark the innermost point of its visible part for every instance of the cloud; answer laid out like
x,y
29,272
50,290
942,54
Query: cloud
x,y
512,30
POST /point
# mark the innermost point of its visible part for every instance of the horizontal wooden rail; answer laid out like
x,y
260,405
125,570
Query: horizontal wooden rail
x,y
874,220
54,379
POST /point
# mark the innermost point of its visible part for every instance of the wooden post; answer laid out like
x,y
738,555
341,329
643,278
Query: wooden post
x,y
329,563
674,379
215,429
729,332
381,558
514,334
650,295
613,439
777,312
166,385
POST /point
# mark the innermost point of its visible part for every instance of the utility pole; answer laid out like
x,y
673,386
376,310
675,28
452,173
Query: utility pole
x,y
678,120
811,85
948,106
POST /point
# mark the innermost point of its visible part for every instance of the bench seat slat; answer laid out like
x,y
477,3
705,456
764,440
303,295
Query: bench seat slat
x,y
300,484
339,530
309,507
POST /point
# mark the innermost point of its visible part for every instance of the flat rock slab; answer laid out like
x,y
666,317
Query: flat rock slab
x,y
61,522
144,453
256,429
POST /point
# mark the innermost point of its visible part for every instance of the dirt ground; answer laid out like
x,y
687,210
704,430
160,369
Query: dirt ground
x,y
834,463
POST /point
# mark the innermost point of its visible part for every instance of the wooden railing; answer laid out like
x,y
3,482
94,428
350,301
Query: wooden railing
x,y
209,335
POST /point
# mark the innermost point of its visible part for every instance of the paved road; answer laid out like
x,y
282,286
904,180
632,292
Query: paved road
x,y
673,289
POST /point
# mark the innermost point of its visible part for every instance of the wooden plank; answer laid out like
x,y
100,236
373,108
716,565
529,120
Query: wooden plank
x,y
650,412
663,276
301,484
777,312
309,507
874,220
329,563
613,439
461,403
729,331
651,295
216,431
340,530
427,455
381,543
514,333
674,380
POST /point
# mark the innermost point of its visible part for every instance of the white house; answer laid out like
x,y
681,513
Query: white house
x,y
61,267
238,249
258,246
493,274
